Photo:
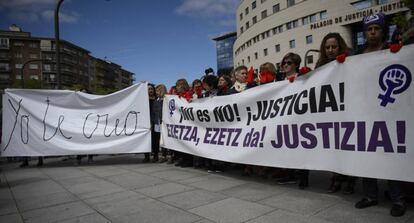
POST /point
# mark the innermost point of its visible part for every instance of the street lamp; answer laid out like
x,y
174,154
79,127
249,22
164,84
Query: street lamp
x,y
57,44
306,55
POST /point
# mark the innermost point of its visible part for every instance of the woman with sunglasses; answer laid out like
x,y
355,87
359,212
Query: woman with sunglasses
x,y
290,66
290,70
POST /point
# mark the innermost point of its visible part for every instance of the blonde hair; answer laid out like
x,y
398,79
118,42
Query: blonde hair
x,y
162,88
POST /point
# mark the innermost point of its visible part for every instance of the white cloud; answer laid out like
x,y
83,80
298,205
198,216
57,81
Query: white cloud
x,y
34,11
219,10
72,17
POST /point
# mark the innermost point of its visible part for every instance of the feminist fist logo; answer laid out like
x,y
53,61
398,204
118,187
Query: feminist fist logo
x,y
393,80
171,106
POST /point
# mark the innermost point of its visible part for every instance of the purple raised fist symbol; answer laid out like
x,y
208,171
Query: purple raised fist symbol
x,y
393,80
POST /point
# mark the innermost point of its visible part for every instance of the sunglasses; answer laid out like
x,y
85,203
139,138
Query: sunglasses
x,y
287,62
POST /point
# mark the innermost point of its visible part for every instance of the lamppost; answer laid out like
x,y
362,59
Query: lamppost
x,y
57,44
306,55
27,62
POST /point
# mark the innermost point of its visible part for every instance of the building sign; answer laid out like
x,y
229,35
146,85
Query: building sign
x,y
357,16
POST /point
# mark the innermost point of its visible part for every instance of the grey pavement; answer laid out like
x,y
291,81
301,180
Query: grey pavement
x,y
122,189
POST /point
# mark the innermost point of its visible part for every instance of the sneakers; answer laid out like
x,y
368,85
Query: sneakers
x,y
286,180
366,202
397,210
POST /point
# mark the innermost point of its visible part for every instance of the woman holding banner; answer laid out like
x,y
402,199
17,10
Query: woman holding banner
x,y
290,69
160,91
333,46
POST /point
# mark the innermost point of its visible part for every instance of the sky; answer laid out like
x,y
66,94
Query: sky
x,y
160,41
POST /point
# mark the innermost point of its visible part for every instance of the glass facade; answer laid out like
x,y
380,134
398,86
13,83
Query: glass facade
x,y
224,47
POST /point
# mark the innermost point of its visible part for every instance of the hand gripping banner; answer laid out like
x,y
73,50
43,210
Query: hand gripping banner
x,y
61,122
353,118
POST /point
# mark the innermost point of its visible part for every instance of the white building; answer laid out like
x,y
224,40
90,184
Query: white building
x,y
268,29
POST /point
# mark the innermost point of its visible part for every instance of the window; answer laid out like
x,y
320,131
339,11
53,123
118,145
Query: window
x,y
18,66
33,56
265,52
277,48
241,30
255,56
18,44
290,3
248,59
46,67
33,45
247,25
309,59
254,20
241,16
34,77
4,43
253,5
274,30
276,8
323,15
312,18
295,23
4,67
288,25
292,44
18,55
280,28
362,4
33,66
309,39
264,14
246,11
18,77
243,61
305,20
262,1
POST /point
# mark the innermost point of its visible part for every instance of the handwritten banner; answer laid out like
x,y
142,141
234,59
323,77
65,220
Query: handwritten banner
x,y
353,118
60,122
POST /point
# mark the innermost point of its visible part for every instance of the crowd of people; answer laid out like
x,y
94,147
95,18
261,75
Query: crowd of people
x,y
332,48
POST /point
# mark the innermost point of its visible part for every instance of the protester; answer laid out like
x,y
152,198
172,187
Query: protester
x,y
183,91
267,73
244,80
156,119
290,70
375,31
152,97
197,88
224,84
332,46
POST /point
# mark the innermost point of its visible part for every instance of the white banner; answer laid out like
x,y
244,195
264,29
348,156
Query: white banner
x,y
60,122
352,118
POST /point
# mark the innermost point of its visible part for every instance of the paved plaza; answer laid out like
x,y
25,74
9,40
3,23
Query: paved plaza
x,y
122,189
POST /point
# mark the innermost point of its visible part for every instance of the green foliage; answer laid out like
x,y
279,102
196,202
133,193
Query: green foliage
x,y
400,20
104,91
28,84
75,87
